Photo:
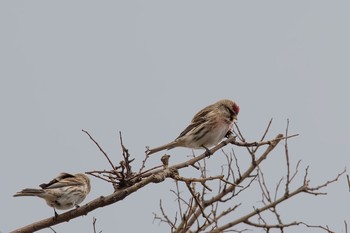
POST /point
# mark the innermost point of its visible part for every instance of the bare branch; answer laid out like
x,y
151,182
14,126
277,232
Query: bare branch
x,y
200,180
195,197
165,217
94,220
259,210
313,190
201,208
345,223
103,152
267,130
287,160
102,201
264,135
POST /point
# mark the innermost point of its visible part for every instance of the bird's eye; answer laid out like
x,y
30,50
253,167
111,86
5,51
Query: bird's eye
x,y
230,111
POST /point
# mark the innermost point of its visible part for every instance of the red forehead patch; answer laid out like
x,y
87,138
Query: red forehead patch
x,y
236,108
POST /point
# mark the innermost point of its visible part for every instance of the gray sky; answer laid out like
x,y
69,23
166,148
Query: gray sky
x,y
145,68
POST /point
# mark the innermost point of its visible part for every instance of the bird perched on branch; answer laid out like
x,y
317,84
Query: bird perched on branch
x,y
63,192
207,128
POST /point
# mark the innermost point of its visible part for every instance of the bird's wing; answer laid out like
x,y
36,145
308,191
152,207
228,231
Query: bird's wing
x,y
62,180
198,119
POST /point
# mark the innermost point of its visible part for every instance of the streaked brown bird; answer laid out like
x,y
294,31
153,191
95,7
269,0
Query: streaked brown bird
x,y
63,192
207,128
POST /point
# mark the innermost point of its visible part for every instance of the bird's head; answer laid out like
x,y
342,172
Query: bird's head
x,y
231,108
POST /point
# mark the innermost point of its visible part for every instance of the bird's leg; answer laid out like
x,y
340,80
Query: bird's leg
x,y
228,134
207,151
54,210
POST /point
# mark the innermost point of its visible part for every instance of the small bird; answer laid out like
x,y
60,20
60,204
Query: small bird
x,y
207,128
63,192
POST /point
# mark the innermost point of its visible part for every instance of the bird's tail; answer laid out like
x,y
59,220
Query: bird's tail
x,y
29,192
160,148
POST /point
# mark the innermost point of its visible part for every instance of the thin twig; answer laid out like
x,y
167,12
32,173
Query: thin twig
x,y
178,197
94,224
346,225
100,177
264,135
239,134
103,152
287,159
196,200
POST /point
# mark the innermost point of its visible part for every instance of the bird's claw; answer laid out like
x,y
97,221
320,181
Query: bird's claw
x,y
228,134
56,214
207,151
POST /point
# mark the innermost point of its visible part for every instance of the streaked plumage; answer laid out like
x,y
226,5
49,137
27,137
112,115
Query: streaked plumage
x,y
207,128
63,192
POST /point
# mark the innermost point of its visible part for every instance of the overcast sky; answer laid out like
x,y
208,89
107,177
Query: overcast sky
x,y
145,68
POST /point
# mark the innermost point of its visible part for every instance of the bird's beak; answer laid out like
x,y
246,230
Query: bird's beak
x,y
235,118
